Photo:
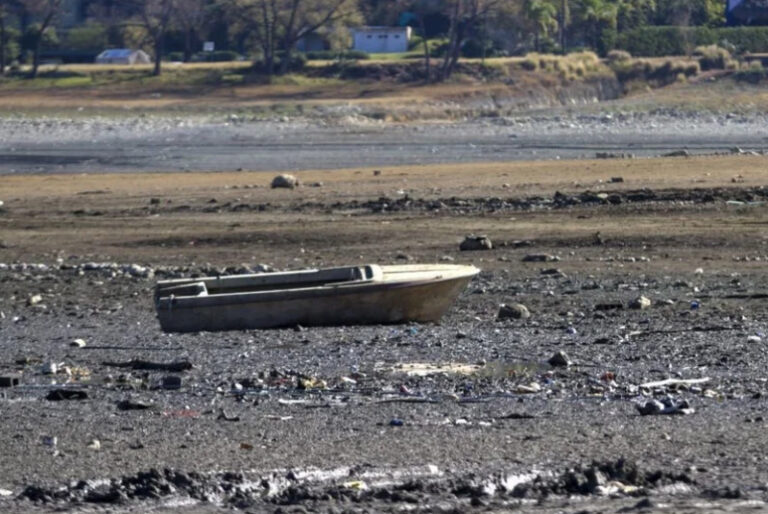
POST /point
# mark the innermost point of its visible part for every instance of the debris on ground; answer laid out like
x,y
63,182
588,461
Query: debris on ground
x,y
473,242
142,365
285,181
666,407
513,311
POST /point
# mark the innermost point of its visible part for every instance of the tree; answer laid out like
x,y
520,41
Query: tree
x,y
279,24
598,19
154,17
46,12
464,15
420,10
191,15
541,15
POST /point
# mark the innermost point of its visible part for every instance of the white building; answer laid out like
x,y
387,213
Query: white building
x,y
123,56
381,40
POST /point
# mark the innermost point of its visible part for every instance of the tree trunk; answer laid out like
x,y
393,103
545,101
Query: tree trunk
x,y
286,60
188,45
158,56
2,44
36,55
427,64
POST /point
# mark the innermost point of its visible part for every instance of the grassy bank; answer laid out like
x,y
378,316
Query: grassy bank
x,y
384,89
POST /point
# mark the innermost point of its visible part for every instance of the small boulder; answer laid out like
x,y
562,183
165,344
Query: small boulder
x,y
472,242
641,303
513,311
559,360
285,181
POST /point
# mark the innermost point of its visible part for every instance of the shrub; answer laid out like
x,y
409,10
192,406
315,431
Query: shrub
x,y
753,73
331,55
712,57
619,56
217,56
658,41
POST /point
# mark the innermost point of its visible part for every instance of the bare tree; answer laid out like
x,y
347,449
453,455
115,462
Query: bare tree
x,y
45,11
154,16
464,16
190,15
280,24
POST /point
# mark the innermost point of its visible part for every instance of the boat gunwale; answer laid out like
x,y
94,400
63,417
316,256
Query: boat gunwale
x,y
169,303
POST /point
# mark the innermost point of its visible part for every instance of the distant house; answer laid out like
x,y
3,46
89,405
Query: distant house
x,y
380,40
312,43
123,56
747,12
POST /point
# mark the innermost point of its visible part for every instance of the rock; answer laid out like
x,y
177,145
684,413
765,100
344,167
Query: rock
x,y
78,343
285,181
677,153
560,360
472,242
34,300
754,339
513,311
540,257
641,303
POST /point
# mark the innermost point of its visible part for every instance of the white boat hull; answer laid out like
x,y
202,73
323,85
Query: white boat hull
x,y
399,294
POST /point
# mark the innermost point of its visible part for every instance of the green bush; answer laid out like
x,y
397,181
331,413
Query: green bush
x,y
331,55
91,36
712,57
619,56
217,56
663,41
753,73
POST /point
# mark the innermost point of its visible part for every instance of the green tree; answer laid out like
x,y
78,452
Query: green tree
x,y
542,19
91,36
46,12
598,20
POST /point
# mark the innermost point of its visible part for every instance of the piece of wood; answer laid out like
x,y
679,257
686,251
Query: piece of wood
x,y
674,381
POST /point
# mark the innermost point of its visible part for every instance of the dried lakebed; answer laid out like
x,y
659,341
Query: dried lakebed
x,y
344,418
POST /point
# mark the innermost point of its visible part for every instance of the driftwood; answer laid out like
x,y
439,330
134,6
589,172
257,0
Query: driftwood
x,y
140,365
674,381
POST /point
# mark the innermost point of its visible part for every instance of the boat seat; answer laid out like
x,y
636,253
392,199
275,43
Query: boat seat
x,y
192,289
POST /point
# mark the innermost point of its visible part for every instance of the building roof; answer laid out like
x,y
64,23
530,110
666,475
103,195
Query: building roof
x,y
116,53
380,29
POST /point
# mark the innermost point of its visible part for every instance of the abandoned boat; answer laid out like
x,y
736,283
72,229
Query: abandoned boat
x,y
352,295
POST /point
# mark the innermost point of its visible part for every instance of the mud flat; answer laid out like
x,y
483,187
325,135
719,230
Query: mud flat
x,y
344,137
468,415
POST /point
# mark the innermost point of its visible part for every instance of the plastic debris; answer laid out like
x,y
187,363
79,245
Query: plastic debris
x,y
665,407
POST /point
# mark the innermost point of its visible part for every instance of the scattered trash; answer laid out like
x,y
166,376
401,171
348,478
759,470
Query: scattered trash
x,y
540,257
51,368
513,311
226,417
559,359
754,339
665,407
246,446
355,485
531,388
94,444
56,395
695,305
34,300
395,422
473,242
641,303
674,381
170,382
423,369
78,343
48,440
134,405
10,380
141,365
